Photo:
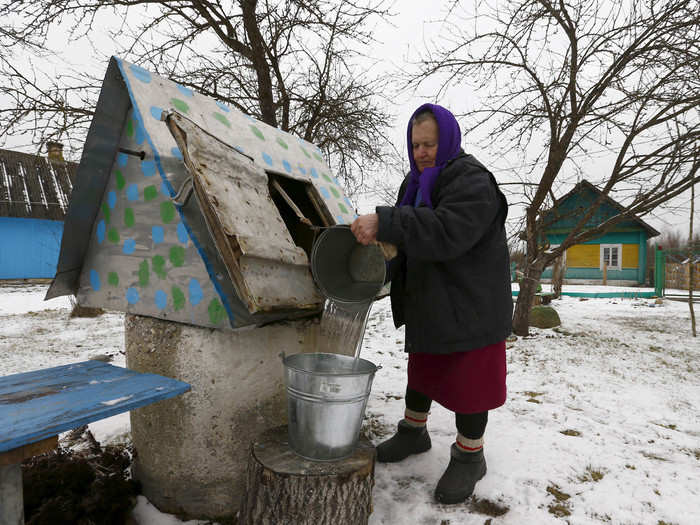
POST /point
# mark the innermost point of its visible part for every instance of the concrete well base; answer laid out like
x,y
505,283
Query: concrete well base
x,y
191,451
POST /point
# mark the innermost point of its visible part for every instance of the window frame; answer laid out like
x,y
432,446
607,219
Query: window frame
x,y
618,247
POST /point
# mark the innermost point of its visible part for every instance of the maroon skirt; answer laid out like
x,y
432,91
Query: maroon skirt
x,y
464,382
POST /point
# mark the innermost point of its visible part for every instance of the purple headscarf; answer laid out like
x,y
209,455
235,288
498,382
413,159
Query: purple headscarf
x,y
449,146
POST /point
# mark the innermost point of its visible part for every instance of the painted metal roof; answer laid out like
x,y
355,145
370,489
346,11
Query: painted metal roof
x,y
132,244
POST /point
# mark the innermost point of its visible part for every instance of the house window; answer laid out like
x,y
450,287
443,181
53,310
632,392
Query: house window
x,y
612,255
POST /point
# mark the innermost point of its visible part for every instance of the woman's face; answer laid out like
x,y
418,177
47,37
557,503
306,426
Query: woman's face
x,y
424,137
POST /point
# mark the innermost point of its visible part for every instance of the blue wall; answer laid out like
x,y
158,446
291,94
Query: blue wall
x,y
29,247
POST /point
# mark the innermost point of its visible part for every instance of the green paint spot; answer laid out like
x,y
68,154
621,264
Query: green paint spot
x,y
120,179
177,255
326,177
342,207
216,311
180,105
113,278
282,143
150,193
158,264
335,192
128,217
221,118
317,156
144,274
130,128
305,152
106,212
257,132
113,235
167,211
178,298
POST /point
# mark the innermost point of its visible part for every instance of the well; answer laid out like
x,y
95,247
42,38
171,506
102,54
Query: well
x,y
191,451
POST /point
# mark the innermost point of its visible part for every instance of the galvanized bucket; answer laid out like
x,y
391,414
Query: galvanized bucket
x,y
326,398
344,269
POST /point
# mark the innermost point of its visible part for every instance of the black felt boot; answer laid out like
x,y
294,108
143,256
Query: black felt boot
x,y
458,481
408,440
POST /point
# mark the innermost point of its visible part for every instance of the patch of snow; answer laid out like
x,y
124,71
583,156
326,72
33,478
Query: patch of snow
x,y
116,401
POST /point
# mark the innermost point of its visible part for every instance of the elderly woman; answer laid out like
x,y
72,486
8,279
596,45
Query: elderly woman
x,y
450,286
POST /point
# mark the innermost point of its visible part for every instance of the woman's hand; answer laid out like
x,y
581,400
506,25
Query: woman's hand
x,y
365,228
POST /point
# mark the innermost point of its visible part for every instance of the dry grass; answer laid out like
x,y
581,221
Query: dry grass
x,y
570,432
488,507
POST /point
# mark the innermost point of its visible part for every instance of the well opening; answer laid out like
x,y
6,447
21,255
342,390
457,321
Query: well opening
x,y
301,207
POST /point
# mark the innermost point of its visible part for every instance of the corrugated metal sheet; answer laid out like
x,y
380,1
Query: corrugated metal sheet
x,y
31,186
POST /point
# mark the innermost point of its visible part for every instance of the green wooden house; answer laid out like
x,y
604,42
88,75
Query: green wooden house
x,y
623,249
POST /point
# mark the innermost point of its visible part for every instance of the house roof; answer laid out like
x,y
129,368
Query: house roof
x,y
585,185
32,186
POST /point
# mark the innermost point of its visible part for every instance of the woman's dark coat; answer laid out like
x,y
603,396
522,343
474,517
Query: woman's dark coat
x,y
450,282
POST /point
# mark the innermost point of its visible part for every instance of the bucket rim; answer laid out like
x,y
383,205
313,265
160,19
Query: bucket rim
x,y
322,238
285,362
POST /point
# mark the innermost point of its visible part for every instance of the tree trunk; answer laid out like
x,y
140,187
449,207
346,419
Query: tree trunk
x,y
558,276
691,264
528,287
283,488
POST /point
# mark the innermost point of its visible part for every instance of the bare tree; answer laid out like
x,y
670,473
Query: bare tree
x,y
562,79
289,63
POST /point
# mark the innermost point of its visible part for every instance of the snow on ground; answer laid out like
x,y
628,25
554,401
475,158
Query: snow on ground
x,y
601,423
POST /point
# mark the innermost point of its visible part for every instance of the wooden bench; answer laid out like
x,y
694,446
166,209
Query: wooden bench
x,y
36,406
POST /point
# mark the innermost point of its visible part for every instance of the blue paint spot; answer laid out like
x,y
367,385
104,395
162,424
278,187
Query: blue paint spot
x,y
185,90
339,219
165,190
157,234
161,299
267,159
111,199
156,112
223,106
302,169
148,167
132,192
336,181
101,231
347,201
132,295
122,158
139,133
355,216
239,148
182,234
196,294
176,152
324,191
95,280
129,246
314,173
287,166
140,73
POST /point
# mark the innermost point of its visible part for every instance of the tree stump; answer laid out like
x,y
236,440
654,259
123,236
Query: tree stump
x,y
283,488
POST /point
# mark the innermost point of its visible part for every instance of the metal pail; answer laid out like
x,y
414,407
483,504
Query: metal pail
x,y
326,398
344,269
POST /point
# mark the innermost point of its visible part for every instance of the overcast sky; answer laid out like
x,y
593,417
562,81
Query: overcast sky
x,y
400,40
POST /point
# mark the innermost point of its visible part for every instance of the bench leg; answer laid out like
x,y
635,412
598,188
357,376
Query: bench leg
x,y
11,497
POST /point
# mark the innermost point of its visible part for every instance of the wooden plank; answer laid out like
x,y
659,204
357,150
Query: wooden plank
x,y
19,454
269,271
40,404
